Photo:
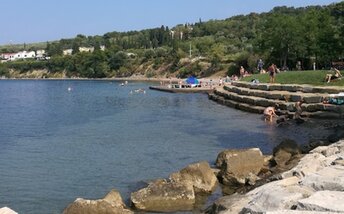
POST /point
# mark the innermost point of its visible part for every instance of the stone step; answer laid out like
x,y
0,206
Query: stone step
x,y
289,87
259,109
279,95
282,104
236,105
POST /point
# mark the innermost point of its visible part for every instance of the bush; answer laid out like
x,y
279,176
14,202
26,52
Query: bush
x,y
150,74
233,69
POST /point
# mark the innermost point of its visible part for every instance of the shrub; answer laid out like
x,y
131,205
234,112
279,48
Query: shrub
x,y
233,69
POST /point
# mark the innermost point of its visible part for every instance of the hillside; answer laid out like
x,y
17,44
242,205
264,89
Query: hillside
x,y
284,36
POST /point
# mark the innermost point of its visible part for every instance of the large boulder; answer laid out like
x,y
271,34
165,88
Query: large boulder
x,y
316,160
328,178
6,210
277,195
285,154
112,203
298,212
198,175
237,166
164,196
309,164
228,204
323,201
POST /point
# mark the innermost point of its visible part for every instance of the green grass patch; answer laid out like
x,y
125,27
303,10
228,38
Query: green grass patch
x,y
299,77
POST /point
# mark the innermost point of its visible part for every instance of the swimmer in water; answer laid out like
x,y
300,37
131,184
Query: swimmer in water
x,y
269,112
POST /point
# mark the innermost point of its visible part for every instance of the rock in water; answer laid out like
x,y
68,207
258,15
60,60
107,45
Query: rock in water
x,y
111,204
286,154
198,175
237,166
164,196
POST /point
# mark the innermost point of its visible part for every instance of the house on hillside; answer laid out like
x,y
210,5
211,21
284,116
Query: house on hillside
x,y
40,53
67,52
25,55
7,56
102,47
131,55
86,49
18,55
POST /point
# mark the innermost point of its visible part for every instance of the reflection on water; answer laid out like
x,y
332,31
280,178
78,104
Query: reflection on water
x,y
58,144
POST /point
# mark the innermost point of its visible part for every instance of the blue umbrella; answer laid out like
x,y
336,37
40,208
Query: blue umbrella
x,y
192,80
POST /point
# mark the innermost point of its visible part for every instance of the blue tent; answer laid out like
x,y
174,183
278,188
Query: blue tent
x,y
192,80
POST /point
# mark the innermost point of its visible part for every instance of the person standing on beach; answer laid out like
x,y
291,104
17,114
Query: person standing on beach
x,y
272,73
242,72
260,65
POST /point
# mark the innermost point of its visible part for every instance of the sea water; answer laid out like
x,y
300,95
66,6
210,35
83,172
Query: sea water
x,y
64,139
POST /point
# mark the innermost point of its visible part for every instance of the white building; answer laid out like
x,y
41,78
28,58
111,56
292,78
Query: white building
x,y
8,56
67,52
25,55
40,53
86,49
19,55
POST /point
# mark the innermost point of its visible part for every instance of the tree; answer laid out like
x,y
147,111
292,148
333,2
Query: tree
x,y
54,49
280,37
117,60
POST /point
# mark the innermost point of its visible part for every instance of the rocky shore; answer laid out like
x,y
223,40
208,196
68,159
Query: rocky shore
x,y
294,179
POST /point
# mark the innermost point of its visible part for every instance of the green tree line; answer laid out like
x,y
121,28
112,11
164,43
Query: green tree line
x,y
284,36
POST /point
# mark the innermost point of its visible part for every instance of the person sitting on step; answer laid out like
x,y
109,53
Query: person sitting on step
x,y
330,77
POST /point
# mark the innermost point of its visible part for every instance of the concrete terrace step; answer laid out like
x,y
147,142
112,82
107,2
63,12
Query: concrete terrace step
x,y
289,87
259,109
279,95
282,104
236,105
254,101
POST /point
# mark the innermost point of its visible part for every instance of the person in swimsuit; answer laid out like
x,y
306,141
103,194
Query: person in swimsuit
x,y
272,73
334,76
269,112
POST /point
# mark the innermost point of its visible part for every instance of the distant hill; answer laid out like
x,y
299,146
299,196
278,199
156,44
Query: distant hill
x,y
285,36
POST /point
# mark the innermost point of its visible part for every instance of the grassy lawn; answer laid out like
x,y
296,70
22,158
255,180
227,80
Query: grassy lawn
x,y
299,77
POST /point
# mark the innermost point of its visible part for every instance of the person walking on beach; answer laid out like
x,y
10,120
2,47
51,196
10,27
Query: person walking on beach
x,y
272,73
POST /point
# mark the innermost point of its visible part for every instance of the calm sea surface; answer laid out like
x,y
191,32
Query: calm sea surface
x,y
57,145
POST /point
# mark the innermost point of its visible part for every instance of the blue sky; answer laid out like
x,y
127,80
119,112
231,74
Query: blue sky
x,y
47,20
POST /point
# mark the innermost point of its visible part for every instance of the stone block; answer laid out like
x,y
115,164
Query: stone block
x,y
236,165
323,201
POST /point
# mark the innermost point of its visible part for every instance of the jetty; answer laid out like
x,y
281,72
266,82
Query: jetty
x,y
255,98
183,88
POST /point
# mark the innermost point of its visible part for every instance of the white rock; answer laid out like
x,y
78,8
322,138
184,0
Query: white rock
x,y
230,204
330,151
277,195
297,212
329,178
309,164
323,201
6,210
